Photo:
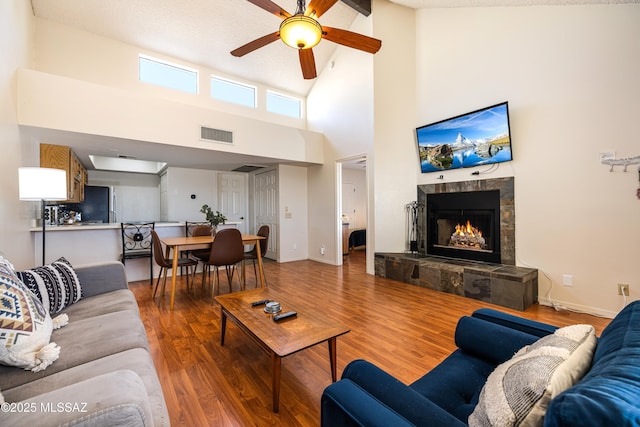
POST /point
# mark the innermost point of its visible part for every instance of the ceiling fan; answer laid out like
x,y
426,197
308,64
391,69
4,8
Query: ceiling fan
x,y
302,31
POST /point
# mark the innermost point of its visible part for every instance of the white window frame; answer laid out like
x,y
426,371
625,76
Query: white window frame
x,y
300,102
142,56
234,83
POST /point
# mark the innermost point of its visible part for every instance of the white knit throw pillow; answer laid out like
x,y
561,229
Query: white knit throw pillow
x,y
518,392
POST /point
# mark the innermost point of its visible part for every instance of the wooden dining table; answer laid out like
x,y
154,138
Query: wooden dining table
x,y
178,244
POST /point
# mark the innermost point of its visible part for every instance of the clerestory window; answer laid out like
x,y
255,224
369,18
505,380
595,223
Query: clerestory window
x,y
161,73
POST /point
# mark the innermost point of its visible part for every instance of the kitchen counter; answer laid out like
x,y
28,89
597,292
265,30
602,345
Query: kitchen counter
x,y
100,226
114,225
89,243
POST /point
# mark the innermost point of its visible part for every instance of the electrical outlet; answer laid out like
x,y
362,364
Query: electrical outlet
x,y
623,289
567,280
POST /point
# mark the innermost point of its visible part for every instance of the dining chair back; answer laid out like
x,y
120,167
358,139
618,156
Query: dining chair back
x,y
166,263
201,230
137,242
191,226
252,254
227,250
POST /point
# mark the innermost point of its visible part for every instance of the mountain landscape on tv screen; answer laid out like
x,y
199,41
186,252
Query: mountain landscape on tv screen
x,y
474,139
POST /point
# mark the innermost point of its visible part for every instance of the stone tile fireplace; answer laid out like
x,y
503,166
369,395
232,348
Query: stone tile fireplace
x,y
480,262
490,202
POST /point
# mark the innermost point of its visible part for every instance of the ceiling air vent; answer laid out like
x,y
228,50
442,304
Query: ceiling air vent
x,y
247,168
217,135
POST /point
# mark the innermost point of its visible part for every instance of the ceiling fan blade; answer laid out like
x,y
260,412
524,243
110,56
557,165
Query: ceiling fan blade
x,y
271,7
351,39
319,7
256,44
308,63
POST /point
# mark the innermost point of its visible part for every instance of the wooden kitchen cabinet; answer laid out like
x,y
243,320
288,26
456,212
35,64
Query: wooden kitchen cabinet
x,y
62,157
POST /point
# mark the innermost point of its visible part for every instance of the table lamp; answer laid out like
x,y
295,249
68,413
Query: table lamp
x,y
42,184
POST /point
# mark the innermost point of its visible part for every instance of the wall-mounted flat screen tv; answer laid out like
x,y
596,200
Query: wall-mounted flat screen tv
x,y
481,137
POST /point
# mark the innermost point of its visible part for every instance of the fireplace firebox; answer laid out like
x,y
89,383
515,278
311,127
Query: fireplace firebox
x,y
464,225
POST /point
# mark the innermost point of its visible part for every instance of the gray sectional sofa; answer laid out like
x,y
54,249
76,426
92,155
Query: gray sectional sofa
x,y
104,376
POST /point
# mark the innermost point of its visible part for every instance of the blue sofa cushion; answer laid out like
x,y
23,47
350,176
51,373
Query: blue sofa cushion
x,y
609,394
396,395
473,361
443,387
473,335
528,326
350,405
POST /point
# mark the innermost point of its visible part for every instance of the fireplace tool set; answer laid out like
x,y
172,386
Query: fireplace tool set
x,y
412,210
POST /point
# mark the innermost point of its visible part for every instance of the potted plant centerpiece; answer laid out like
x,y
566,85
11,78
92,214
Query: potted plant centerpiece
x,y
213,218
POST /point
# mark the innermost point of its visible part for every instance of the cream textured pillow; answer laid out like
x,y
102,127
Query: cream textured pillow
x,y
519,390
25,325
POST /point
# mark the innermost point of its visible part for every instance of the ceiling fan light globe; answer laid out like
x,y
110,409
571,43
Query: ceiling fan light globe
x,y
300,32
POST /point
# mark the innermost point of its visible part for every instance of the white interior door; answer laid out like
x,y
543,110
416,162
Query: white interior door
x,y
266,208
348,204
232,198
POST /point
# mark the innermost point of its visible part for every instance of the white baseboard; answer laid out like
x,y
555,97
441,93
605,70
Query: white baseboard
x,y
281,260
564,305
323,260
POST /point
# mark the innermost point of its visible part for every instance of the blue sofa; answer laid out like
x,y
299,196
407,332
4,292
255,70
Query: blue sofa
x,y
608,395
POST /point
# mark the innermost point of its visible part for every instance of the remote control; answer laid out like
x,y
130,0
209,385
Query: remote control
x,y
261,302
282,316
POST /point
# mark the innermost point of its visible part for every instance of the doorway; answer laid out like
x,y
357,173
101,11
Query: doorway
x,y
265,207
352,208
232,198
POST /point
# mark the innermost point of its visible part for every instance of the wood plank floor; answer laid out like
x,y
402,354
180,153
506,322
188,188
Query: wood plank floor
x,y
404,329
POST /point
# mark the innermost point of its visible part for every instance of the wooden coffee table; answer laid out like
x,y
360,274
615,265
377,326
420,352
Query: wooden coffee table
x,y
279,339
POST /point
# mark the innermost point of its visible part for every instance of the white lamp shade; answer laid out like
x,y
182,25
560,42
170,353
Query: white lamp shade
x,y
42,184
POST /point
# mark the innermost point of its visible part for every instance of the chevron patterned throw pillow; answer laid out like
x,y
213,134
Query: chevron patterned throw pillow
x,y
55,284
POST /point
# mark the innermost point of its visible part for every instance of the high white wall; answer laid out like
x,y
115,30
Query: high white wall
x,y
16,47
340,105
81,55
57,102
570,75
293,222
394,161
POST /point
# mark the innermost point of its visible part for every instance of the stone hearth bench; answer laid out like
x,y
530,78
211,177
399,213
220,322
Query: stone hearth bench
x,y
504,285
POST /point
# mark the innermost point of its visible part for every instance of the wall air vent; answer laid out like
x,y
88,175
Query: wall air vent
x,y
217,135
247,168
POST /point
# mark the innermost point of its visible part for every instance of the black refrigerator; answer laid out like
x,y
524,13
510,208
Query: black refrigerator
x,y
95,207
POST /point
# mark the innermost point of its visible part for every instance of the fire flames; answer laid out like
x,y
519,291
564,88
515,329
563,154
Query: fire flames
x,y
467,236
